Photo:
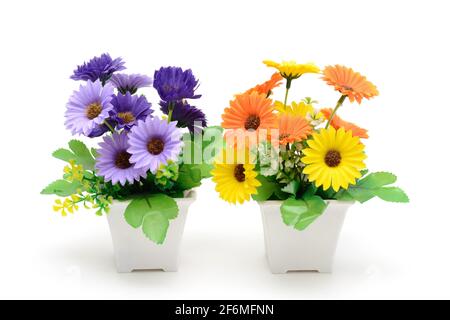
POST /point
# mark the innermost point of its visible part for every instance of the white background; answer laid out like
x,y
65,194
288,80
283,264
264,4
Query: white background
x,y
386,250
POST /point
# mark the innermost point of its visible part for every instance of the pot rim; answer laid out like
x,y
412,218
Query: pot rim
x,y
329,201
189,196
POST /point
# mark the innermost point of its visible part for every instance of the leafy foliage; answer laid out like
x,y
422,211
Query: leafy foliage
x,y
300,213
374,185
153,213
78,152
270,189
62,188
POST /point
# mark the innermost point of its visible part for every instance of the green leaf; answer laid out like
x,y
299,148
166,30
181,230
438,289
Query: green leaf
x,y
377,180
62,188
189,176
292,187
152,213
300,213
267,189
84,157
135,212
79,153
155,227
64,155
392,194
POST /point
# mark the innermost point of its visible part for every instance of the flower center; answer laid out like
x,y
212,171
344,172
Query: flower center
x,y
126,117
333,158
155,146
123,160
239,173
252,122
347,87
93,110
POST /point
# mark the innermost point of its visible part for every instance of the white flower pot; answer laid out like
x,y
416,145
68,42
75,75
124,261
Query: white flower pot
x,y
133,251
312,249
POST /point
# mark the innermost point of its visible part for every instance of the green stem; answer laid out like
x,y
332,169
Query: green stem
x,y
110,127
288,86
338,105
170,107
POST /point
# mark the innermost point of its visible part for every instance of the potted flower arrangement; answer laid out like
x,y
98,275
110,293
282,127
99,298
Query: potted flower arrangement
x,y
140,174
305,166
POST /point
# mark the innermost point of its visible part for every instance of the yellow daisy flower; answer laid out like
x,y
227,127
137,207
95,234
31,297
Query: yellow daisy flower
x,y
235,182
314,116
68,205
334,158
291,69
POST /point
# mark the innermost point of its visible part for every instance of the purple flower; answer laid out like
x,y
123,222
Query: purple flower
x,y
174,84
129,109
153,142
186,115
88,107
98,68
113,161
130,82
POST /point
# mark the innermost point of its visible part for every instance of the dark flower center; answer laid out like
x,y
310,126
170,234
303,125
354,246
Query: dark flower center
x,y
126,117
123,160
333,158
347,88
239,173
155,146
252,122
93,110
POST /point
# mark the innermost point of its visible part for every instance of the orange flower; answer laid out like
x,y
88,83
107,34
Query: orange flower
x,y
268,86
349,83
293,129
249,111
337,123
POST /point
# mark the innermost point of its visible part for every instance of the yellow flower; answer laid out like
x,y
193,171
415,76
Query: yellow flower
x,y
291,69
69,204
334,158
73,172
306,110
235,182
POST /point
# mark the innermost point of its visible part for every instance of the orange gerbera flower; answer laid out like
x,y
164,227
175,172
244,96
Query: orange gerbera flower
x,y
337,123
350,83
249,111
293,129
268,86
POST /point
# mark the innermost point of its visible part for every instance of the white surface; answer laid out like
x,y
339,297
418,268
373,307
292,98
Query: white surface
x,y
385,250
132,249
313,249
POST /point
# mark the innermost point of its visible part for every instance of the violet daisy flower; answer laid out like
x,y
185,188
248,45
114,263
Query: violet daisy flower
x,y
174,84
98,68
128,109
186,115
154,142
113,161
130,82
88,107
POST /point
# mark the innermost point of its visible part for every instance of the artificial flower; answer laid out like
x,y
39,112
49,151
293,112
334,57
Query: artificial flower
x,y
293,129
154,142
174,84
167,175
349,83
235,182
88,107
128,109
130,82
187,116
249,111
267,87
113,161
73,172
334,158
337,123
98,68
291,69
68,205
303,109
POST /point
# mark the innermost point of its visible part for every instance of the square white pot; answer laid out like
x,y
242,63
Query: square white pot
x,y
312,249
133,251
